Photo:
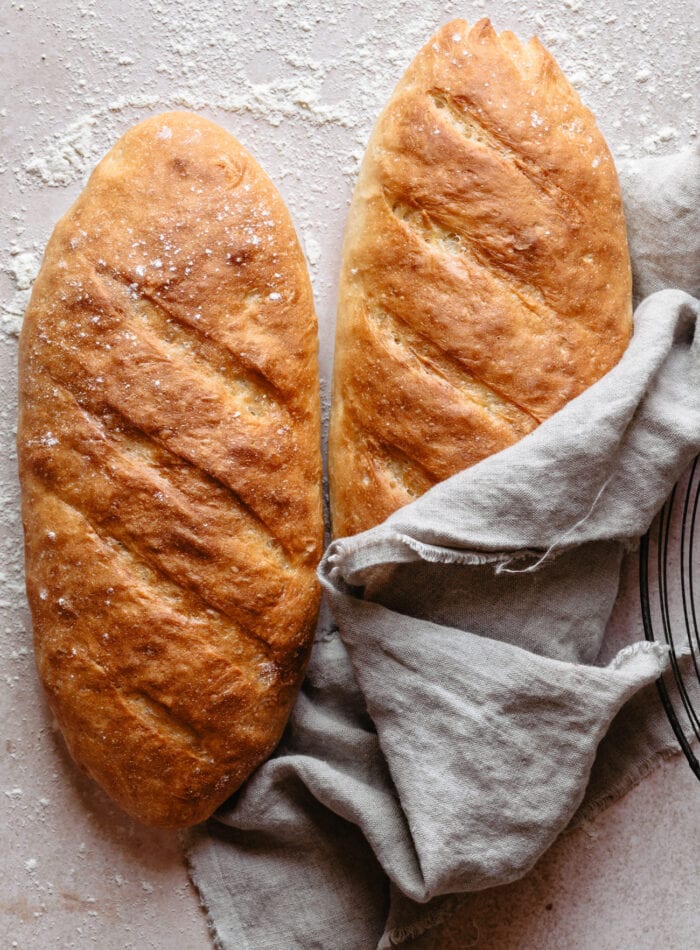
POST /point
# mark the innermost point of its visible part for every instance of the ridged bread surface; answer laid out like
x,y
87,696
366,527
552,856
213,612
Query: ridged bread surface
x,y
486,277
170,466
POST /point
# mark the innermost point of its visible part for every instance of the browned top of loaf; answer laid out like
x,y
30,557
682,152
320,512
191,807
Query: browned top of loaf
x,y
486,277
170,467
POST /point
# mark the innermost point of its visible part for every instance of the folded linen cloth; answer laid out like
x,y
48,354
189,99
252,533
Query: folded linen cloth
x,y
449,727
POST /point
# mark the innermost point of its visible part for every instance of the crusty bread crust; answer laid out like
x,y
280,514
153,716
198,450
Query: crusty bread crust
x,y
486,277
169,453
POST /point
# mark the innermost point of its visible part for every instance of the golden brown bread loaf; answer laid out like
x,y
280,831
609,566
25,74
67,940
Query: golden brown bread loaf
x,y
170,466
486,278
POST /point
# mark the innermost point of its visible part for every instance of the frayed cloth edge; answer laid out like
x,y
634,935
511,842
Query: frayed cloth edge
x,y
199,833
429,921
439,555
634,777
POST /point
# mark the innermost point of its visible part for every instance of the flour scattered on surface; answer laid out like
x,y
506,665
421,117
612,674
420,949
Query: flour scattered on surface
x,y
22,268
667,133
313,250
65,155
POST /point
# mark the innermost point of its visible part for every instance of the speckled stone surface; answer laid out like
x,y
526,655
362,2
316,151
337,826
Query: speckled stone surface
x,y
300,83
626,880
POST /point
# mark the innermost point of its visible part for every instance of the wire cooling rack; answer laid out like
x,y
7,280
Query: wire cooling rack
x,y
669,577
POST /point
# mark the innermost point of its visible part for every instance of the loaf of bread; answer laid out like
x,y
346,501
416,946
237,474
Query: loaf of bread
x,y
486,278
169,452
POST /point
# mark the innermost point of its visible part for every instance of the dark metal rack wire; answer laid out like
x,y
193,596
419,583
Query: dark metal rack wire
x,y
669,610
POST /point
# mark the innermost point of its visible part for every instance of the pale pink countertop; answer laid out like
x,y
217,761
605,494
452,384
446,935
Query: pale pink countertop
x,y
300,84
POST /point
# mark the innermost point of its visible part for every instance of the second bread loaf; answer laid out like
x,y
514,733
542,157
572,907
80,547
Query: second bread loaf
x,y
486,278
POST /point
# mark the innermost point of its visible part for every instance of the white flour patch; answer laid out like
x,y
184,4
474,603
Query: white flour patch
x,y
313,250
65,156
22,267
